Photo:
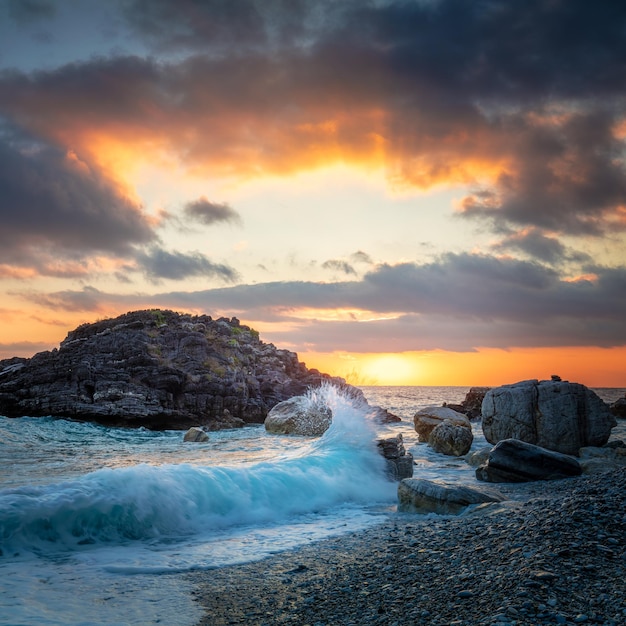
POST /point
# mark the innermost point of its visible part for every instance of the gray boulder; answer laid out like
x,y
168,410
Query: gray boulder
x,y
399,461
618,408
195,435
553,414
610,457
514,461
417,495
427,418
299,416
451,439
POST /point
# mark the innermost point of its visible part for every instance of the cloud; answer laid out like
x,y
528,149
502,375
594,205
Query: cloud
x,y
339,266
459,302
158,263
56,209
536,244
568,175
208,213
361,257
525,106
28,11
22,348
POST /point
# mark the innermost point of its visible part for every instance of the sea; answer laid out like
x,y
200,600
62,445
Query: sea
x,y
99,525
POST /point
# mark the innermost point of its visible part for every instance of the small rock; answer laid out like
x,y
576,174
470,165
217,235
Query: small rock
x,y
196,435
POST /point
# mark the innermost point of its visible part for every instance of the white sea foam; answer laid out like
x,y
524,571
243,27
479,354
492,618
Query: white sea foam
x,y
148,520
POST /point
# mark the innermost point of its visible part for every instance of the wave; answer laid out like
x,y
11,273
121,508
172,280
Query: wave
x,y
166,502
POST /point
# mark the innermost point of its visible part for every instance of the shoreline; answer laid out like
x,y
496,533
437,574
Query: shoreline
x,y
555,553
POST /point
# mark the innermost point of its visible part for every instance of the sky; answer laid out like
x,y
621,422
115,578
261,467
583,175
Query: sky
x,y
421,192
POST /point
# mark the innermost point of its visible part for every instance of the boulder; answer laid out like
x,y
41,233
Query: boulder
x,y
515,461
618,408
474,459
553,414
427,418
610,457
472,404
196,435
382,416
417,495
451,439
299,416
399,462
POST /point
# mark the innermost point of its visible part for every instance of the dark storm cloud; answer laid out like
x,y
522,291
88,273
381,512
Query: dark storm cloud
x,y
460,302
524,100
568,176
158,263
527,93
53,203
208,213
27,11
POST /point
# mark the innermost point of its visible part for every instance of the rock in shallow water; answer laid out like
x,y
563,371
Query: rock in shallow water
x,y
195,435
299,416
451,439
427,418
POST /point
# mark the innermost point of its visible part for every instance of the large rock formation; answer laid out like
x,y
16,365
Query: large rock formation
x,y
299,416
158,369
553,414
514,461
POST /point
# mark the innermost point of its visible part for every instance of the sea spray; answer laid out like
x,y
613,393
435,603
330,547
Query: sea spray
x,y
168,502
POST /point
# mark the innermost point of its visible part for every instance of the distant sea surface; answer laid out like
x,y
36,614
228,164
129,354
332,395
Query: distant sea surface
x,y
97,524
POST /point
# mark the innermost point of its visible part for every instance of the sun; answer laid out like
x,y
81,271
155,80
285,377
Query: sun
x,y
391,369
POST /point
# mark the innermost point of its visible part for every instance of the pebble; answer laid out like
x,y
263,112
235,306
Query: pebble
x,y
522,563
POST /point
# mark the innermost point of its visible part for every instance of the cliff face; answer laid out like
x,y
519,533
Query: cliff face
x,y
157,369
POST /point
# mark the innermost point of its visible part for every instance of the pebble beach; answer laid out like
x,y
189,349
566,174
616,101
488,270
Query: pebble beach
x,y
554,553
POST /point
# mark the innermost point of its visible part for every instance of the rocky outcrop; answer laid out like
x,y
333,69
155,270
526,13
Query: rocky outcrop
x,y
399,461
299,416
618,408
552,414
159,369
417,495
514,461
195,435
472,404
451,439
427,418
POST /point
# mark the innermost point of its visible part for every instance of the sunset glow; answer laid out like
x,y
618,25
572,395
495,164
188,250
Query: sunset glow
x,y
394,208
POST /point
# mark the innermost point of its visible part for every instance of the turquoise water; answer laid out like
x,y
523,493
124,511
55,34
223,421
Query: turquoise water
x,y
96,523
